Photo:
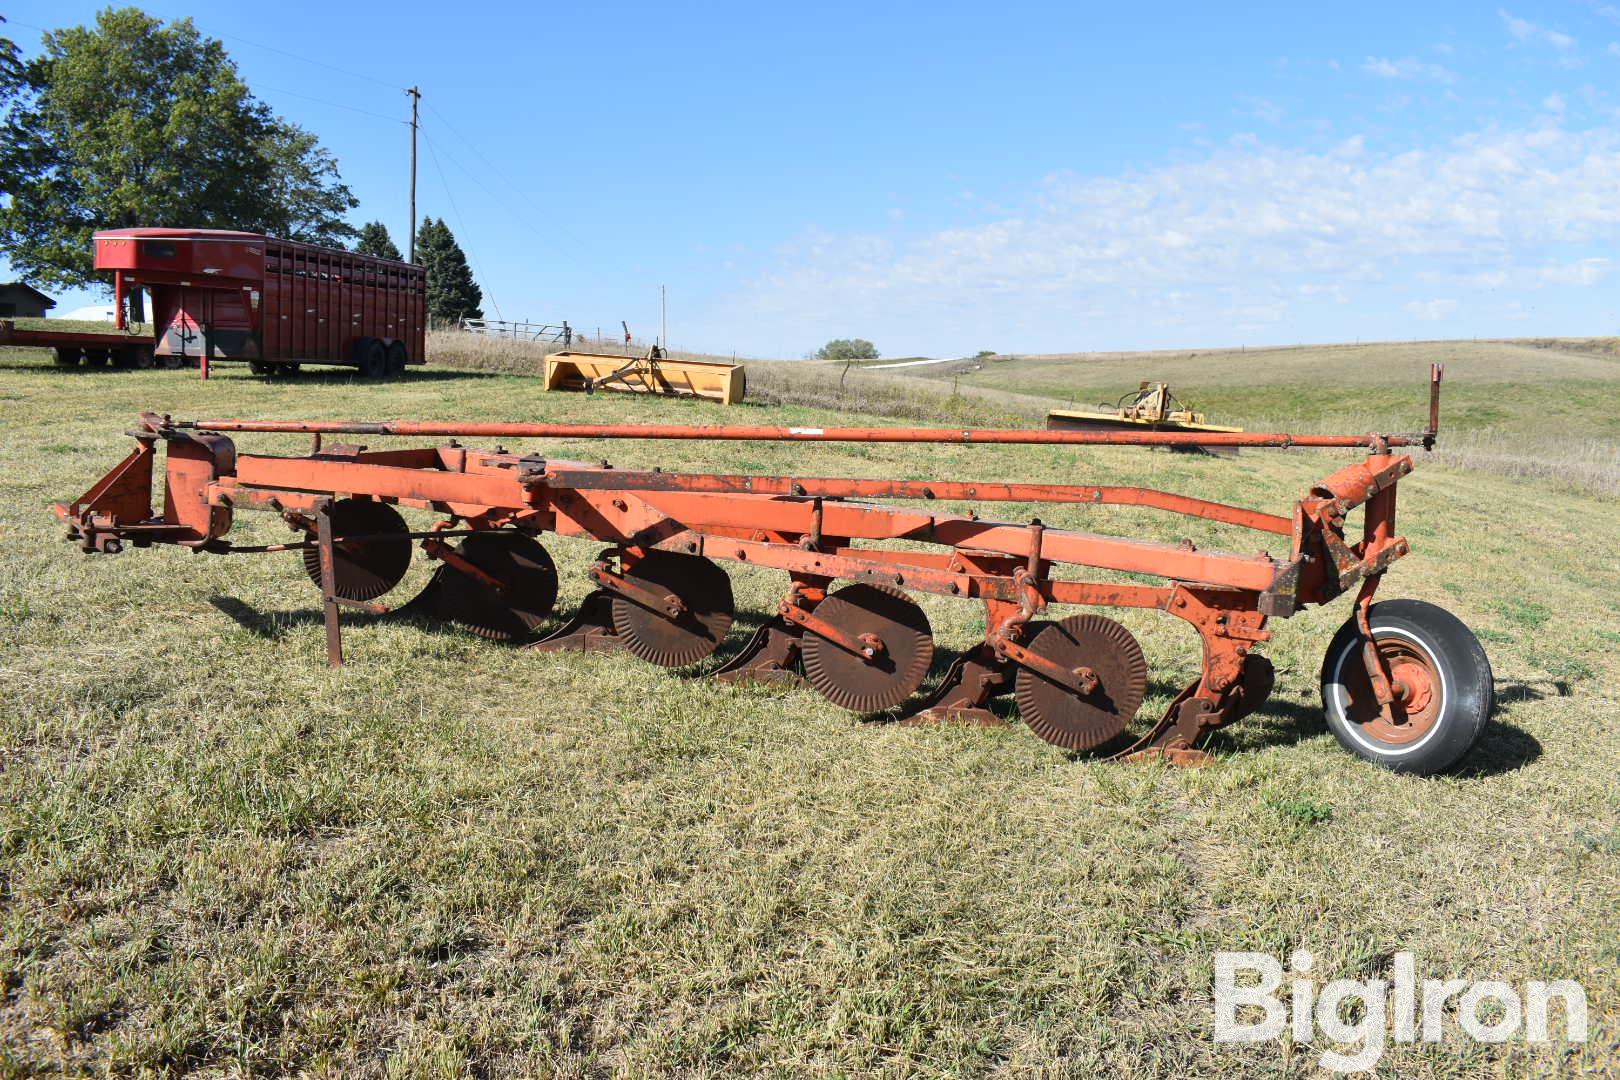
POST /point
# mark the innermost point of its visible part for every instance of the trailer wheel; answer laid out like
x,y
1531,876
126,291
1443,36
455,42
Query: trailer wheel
x,y
66,357
261,367
139,356
1443,683
396,360
95,358
172,361
373,359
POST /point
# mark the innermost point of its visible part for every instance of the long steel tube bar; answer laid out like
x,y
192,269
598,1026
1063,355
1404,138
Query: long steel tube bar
x,y
983,491
763,433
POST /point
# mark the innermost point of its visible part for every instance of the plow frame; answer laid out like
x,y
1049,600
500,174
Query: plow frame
x,y
816,529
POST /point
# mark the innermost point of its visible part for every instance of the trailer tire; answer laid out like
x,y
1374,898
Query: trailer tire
x,y
260,367
66,357
172,361
139,357
1449,688
372,359
396,360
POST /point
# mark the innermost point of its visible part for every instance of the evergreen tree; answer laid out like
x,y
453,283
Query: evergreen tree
x,y
452,294
374,240
132,121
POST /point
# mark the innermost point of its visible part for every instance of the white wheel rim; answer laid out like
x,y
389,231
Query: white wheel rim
x,y
1339,698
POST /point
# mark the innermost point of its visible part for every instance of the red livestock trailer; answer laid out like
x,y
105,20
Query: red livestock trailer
x,y
276,304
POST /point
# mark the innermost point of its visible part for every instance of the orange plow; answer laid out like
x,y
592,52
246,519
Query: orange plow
x,y
1404,683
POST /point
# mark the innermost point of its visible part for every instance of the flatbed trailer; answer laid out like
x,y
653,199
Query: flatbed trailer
x,y
74,347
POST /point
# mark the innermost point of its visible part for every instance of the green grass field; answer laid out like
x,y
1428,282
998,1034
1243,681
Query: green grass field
x,y
453,858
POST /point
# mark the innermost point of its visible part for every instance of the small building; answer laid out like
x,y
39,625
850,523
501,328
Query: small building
x,y
19,301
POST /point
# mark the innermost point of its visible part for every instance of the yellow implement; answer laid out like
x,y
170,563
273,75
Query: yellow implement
x,y
1152,407
653,373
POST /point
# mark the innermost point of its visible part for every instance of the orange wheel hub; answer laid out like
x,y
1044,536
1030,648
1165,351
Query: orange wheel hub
x,y
1415,680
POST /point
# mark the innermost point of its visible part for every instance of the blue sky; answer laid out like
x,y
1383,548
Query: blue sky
x,y
943,178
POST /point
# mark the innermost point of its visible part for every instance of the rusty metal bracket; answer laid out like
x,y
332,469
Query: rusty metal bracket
x,y
665,603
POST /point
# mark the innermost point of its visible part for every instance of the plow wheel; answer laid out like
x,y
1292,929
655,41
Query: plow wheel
x,y
375,561
1066,717
861,683
704,592
514,608
1440,678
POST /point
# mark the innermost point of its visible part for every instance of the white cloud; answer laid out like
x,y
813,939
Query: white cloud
x,y
1583,272
1236,235
1264,110
1614,48
1430,310
1527,32
1553,103
1408,68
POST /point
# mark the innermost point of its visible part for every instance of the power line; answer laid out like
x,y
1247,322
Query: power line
x,y
257,45
466,234
317,63
559,228
334,104
503,203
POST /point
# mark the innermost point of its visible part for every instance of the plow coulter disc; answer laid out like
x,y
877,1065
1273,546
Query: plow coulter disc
x,y
705,594
1063,716
527,594
859,683
364,569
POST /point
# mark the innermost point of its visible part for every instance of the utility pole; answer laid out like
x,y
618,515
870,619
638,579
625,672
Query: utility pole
x,y
416,96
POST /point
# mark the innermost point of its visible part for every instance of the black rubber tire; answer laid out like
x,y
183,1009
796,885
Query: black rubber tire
x,y
1467,687
171,362
96,358
285,371
371,358
68,358
140,357
261,367
396,360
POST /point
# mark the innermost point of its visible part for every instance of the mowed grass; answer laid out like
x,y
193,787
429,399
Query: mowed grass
x,y
453,858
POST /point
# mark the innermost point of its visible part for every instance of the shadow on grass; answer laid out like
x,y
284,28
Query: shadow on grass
x,y
323,377
1502,748
1531,690
347,376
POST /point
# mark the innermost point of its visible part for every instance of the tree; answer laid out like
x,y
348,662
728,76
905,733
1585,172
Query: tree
x,y
374,240
847,349
306,198
452,294
136,122
11,71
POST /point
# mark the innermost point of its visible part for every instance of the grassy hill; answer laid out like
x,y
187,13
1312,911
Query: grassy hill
x,y
454,858
1546,408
